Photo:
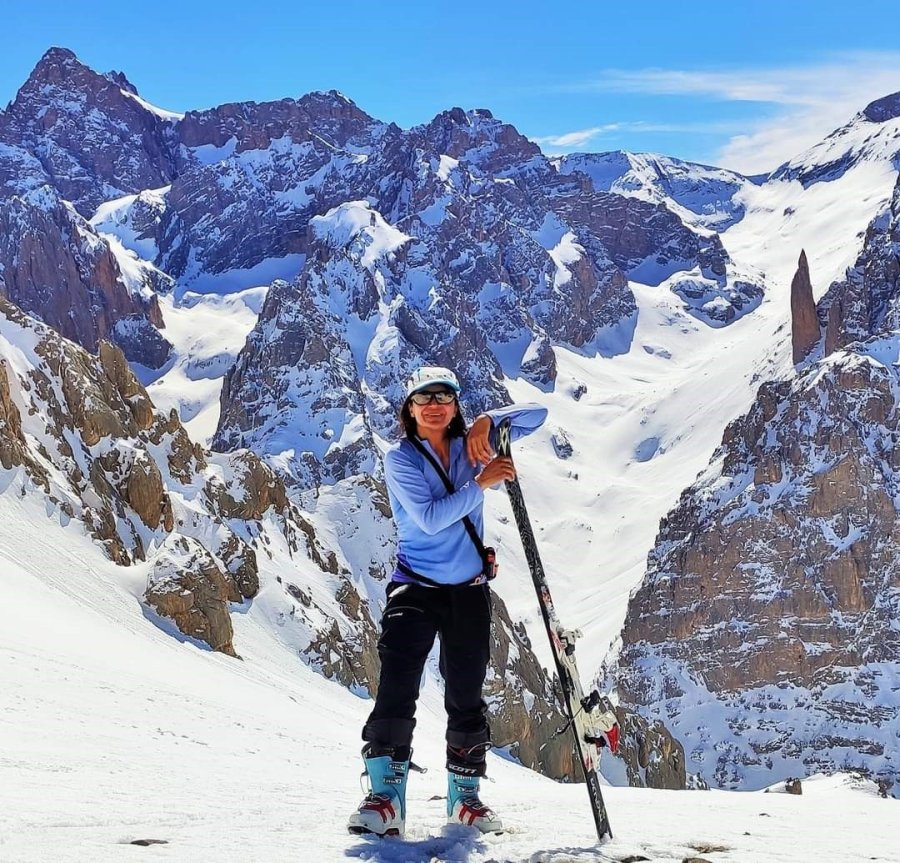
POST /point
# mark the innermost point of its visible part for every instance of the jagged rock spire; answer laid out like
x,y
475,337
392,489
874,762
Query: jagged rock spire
x,y
804,322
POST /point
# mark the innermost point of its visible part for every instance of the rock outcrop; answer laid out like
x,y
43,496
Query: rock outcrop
x,y
102,453
866,301
187,587
526,711
13,447
770,601
56,267
652,757
804,321
92,135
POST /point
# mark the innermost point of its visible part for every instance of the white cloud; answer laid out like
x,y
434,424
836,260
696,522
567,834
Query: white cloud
x,y
576,139
842,77
566,142
810,101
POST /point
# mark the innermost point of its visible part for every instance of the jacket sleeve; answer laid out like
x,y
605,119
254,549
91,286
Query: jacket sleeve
x,y
523,419
408,485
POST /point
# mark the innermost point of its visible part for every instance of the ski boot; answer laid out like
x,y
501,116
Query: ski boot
x,y
464,806
383,811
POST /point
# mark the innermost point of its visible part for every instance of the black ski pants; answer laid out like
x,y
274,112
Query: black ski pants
x,y
461,616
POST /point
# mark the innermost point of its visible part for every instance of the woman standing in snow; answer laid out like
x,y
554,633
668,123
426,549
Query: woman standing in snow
x,y
436,478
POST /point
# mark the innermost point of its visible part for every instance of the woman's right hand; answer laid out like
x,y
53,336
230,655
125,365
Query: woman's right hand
x,y
495,471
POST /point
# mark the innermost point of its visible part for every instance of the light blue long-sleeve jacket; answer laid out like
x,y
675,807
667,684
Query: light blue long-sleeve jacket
x,y
432,538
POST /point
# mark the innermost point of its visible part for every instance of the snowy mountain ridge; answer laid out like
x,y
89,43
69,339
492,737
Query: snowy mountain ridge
x,y
767,618
701,195
308,255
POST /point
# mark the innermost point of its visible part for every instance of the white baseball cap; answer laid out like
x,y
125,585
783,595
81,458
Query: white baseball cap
x,y
427,376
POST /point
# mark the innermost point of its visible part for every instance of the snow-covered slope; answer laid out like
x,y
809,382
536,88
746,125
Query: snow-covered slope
x,y
700,194
116,733
208,331
650,418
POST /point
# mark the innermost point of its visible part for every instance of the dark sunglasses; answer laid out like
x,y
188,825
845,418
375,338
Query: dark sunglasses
x,y
426,397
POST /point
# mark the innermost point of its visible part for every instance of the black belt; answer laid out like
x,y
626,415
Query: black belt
x,y
416,578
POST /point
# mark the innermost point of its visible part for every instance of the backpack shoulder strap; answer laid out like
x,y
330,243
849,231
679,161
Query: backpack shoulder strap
x,y
467,522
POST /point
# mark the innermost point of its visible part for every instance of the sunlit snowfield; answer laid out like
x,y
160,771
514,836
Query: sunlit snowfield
x,y
113,731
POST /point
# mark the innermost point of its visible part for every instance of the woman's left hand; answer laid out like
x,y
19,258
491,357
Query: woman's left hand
x,y
478,441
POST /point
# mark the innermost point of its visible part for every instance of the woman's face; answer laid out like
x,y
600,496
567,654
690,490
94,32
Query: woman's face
x,y
432,416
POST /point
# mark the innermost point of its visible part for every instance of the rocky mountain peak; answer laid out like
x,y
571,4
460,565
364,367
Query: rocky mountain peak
x,y
328,117
883,109
478,136
94,138
121,80
327,101
55,66
60,69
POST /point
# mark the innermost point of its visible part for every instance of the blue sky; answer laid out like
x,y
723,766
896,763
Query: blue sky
x,y
741,84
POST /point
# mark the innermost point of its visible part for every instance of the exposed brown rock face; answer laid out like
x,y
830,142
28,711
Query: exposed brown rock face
x,y
652,757
780,575
630,230
250,490
107,456
74,135
226,216
526,714
145,492
804,321
12,444
188,587
866,300
14,451
119,373
457,133
241,567
93,138
57,268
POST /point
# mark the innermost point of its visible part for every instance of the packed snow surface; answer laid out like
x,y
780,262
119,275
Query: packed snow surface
x,y
114,732
207,331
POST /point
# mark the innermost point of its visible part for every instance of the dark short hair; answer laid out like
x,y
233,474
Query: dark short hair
x,y
457,427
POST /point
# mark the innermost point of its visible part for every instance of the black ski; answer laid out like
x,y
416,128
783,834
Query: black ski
x,y
591,717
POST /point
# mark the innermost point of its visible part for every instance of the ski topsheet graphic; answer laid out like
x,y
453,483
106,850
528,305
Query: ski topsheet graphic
x,y
591,716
